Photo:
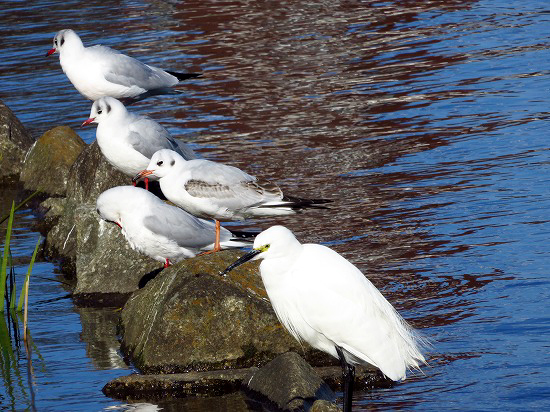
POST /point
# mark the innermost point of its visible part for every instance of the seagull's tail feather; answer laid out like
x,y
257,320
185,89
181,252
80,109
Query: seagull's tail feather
x,y
296,203
238,239
244,235
183,76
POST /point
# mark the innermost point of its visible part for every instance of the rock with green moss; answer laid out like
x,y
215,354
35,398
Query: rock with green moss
x,y
15,141
191,318
47,165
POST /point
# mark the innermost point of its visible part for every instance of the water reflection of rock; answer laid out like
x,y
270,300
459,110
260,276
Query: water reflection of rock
x,y
99,332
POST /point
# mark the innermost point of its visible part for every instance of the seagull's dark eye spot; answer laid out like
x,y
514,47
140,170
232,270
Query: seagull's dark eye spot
x,y
62,41
99,111
97,210
108,108
159,163
172,162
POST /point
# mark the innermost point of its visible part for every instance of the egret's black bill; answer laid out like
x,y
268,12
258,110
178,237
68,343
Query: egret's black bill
x,y
240,261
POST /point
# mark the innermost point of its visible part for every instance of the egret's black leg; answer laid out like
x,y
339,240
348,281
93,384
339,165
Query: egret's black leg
x,y
348,375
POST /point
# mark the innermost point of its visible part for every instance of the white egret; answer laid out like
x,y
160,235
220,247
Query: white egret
x,y
323,299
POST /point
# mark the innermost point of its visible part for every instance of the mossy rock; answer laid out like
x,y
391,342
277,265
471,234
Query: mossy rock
x,y
47,165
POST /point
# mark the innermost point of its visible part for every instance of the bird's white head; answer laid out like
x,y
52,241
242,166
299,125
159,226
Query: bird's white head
x,y
65,40
275,242
163,162
105,108
109,204
117,202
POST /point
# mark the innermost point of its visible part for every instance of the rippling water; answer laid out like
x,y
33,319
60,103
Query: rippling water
x,y
426,121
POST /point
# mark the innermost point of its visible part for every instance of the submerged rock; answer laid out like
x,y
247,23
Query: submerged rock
x,y
290,383
190,318
48,162
15,141
156,387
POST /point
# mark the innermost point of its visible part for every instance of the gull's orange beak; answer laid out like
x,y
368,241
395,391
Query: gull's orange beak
x,y
142,174
87,121
52,51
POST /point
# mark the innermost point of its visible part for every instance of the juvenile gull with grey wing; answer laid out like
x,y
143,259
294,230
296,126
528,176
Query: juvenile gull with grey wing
x,y
213,190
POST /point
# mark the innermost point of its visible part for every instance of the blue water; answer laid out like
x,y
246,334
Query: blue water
x,y
427,122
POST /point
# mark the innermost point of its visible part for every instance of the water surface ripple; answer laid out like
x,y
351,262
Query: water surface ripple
x,y
426,122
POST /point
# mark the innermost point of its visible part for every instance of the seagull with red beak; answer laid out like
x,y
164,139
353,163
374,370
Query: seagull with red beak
x,y
158,230
99,71
128,140
213,190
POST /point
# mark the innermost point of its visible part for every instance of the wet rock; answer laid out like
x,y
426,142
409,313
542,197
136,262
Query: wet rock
x,y
88,177
91,175
190,318
106,266
290,383
46,167
15,141
321,405
162,386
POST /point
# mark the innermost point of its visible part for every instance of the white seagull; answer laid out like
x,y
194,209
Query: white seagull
x,y
156,229
323,299
128,140
213,190
99,71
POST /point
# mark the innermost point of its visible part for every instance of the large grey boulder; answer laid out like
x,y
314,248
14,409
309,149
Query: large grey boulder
x,y
88,177
190,318
46,167
290,383
15,141
107,269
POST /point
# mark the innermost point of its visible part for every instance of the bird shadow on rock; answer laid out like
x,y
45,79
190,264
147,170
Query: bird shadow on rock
x,y
148,277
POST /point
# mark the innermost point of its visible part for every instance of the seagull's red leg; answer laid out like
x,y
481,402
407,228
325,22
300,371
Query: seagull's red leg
x,y
134,183
217,246
146,183
167,263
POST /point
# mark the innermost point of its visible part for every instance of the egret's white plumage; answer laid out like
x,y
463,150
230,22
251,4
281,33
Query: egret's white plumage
x,y
161,231
128,140
323,299
99,71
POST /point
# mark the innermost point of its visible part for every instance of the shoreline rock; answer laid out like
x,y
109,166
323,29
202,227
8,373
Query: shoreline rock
x,y
15,141
285,383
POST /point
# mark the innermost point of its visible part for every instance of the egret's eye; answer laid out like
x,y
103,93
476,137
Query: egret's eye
x,y
99,111
159,163
263,248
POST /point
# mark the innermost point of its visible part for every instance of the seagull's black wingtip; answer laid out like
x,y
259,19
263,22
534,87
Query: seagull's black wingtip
x,y
183,76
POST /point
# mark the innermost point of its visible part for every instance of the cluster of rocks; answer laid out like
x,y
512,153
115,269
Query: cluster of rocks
x,y
187,329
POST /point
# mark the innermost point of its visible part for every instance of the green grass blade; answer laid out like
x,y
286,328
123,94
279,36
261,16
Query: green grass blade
x,y
22,294
3,272
12,284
